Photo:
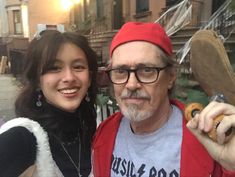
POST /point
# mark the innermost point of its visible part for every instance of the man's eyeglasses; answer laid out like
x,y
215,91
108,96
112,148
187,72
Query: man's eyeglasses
x,y
144,75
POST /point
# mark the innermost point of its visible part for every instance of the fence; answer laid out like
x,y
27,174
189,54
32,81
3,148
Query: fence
x,y
105,110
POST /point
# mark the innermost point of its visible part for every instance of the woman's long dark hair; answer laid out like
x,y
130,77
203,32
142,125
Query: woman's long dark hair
x,y
41,53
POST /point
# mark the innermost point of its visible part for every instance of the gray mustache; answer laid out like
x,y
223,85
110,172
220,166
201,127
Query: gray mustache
x,y
134,94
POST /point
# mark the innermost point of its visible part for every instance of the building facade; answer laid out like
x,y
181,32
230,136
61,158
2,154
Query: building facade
x,y
107,15
21,17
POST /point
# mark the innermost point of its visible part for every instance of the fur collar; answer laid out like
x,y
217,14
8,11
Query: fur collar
x,y
44,161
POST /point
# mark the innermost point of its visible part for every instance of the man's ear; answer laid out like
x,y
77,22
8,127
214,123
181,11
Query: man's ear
x,y
172,77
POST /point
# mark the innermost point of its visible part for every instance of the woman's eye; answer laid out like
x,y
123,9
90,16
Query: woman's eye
x,y
53,69
79,67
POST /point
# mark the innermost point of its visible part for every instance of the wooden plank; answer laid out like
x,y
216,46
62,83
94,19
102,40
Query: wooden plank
x,y
3,65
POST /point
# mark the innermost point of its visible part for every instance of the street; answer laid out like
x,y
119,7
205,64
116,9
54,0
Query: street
x,y
8,93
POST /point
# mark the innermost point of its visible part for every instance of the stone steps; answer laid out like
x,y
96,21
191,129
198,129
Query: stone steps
x,y
98,40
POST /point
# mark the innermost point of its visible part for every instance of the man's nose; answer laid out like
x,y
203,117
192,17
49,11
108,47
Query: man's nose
x,y
133,83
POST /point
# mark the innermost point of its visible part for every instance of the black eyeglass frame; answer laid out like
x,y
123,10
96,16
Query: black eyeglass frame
x,y
136,75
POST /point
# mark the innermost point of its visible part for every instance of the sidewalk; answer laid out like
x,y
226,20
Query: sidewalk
x,y
8,93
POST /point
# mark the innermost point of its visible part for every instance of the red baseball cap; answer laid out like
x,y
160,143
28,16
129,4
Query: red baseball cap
x,y
140,31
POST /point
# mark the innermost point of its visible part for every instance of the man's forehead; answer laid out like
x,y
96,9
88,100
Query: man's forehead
x,y
139,44
136,56
134,48
136,62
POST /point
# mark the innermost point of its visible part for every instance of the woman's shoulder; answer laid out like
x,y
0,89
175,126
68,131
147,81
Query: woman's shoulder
x,y
31,125
17,150
16,134
25,127
17,137
16,122
17,128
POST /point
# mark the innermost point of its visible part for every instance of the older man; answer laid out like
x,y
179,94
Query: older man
x,y
149,136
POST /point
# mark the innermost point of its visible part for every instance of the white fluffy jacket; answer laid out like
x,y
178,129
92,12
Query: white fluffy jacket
x,y
44,164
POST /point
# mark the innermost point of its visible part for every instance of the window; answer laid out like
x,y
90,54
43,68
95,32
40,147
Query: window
x,y
100,9
117,14
17,22
170,3
142,6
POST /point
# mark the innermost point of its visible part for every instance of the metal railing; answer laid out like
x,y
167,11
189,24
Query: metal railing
x,y
224,24
105,110
222,21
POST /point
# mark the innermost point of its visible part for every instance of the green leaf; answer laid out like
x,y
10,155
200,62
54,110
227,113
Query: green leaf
x,y
102,99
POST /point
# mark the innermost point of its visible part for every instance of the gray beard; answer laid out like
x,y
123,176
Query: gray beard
x,y
133,113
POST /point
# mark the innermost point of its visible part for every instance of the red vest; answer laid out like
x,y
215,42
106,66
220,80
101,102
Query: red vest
x,y
195,160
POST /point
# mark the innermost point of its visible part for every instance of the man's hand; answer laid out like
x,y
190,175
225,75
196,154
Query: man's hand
x,y
223,152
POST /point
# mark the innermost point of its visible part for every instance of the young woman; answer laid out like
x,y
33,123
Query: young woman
x,y
57,119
